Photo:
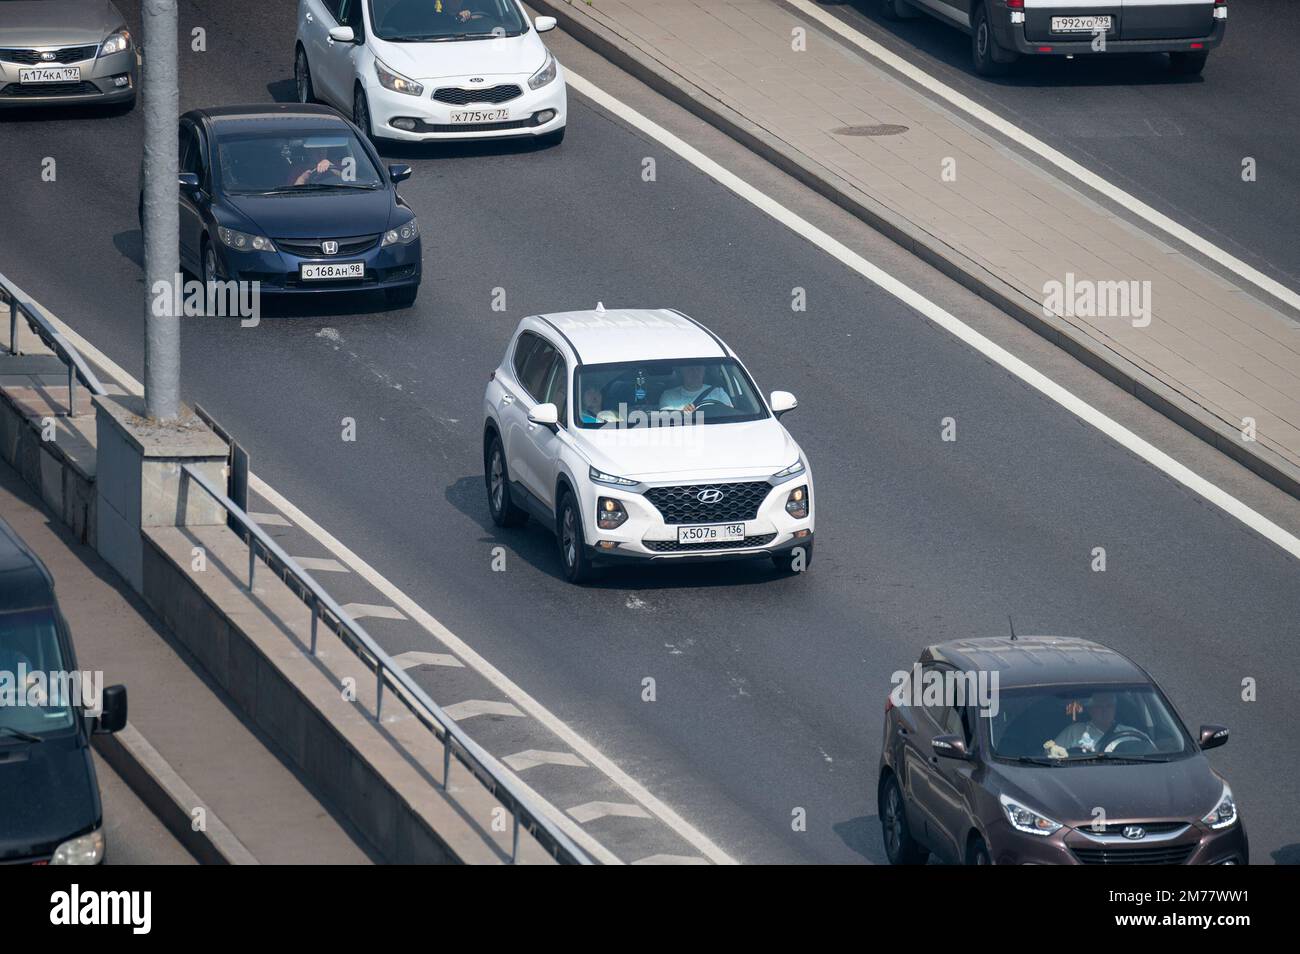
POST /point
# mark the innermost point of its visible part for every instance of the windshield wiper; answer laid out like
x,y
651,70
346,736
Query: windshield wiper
x,y
19,733
1036,760
311,187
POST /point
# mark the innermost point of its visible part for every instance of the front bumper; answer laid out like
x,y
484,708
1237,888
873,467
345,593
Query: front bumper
x,y
1032,38
1196,845
647,536
396,266
106,80
526,114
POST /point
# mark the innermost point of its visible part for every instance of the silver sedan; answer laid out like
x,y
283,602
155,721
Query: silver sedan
x,y
66,52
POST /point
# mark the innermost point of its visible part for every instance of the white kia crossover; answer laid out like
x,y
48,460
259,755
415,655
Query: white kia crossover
x,y
638,435
416,70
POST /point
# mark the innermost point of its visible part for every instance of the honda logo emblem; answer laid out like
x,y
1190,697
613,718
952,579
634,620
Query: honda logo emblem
x,y
329,248
711,495
1134,832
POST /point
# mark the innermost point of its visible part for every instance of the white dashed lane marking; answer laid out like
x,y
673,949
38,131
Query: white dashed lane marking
x,y
470,708
269,519
530,758
412,659
320,564
590,811
671,860
372,611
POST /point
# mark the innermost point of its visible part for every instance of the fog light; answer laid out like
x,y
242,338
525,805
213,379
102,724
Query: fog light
x,y
609,513
402,122
796,505
121,80
545,116
606,544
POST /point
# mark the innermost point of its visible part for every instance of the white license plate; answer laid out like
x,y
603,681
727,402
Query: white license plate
x,y
1081,24
460,117
50,74
713,533
328,270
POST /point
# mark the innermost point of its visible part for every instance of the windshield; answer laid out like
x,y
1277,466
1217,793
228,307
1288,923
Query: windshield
x,y
1073,723
29,657
308,162
432,21
666,393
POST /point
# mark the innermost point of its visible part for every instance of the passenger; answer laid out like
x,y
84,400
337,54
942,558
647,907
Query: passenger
x,y
693,392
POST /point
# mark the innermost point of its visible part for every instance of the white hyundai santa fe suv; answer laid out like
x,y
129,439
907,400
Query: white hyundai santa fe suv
x,y
638,435
417,70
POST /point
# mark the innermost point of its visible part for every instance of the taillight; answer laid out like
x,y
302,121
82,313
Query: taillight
x,y
889,702
1015,4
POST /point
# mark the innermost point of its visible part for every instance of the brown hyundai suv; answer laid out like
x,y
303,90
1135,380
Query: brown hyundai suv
x,y
1046,750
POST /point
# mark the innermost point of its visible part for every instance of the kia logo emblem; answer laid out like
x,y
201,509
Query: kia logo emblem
x,y
710,496
476,79
329,248
47,55
1134,832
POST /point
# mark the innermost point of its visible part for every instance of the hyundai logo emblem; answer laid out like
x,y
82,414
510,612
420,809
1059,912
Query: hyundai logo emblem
x,y
329,248
47,55
711,495
1134,832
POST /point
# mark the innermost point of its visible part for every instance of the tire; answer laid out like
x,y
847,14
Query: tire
x,y
361,113
792,561
399,298
978,854
574,561
988,58
900,847
208,269
551,139
1188,64
496,480
302,78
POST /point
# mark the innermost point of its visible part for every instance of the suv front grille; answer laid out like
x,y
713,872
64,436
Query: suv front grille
x,y
69,54
681,504
1151,828
311,248
1124,855
458,96
672,546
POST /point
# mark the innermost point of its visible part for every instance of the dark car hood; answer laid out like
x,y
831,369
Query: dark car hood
x,y
33,23
318,215
48,794
1183,789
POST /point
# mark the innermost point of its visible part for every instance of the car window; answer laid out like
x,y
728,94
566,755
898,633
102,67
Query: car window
x,y
413,21
328,159
332,7
537,368
523,348
658,393
189,154
30,658
350,15
557,388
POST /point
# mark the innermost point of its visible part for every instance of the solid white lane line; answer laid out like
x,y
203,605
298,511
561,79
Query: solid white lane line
x,y
1054,156
531,758
590,811
919,303
460,711
413,659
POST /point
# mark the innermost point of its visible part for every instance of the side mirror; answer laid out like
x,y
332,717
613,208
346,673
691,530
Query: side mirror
x,y
188,180
399,172
950,747
1213,736
782,402
112,714
342,34
544,24
547,415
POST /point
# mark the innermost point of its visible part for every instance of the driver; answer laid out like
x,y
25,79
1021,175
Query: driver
x,y
1087,736
325,162
693,392
456,9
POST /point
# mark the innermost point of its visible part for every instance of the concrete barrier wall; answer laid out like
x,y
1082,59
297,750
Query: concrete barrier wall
x,y
64,486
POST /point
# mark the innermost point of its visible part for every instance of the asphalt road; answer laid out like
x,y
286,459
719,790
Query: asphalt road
x,y
1176,143
770,690
134,834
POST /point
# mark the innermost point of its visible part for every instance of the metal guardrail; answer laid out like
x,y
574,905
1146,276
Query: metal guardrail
x,y
21,306
484,766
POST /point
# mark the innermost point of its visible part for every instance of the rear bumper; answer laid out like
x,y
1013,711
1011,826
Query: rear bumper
x,y
1029,39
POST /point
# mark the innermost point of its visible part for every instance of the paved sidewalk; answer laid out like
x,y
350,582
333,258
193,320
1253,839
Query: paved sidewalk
x,y
1210,350
240,783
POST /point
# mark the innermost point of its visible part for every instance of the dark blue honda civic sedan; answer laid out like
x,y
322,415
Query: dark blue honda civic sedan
x,y
292,197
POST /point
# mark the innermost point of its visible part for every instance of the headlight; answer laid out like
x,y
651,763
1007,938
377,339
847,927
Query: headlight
x,y
396,81
600,477
86,850
794,470
796,505
243,242
1224,814
545,75
118,42
610,514
1022,819
404,234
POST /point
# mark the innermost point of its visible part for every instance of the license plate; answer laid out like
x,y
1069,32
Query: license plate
x,y
50,74
460,117
713,533
328,270
1081,24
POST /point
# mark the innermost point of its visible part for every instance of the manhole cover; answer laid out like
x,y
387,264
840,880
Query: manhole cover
x,y
884,129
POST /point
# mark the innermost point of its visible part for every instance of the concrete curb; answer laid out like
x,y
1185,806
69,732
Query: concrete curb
x,y
1183,410
159,786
